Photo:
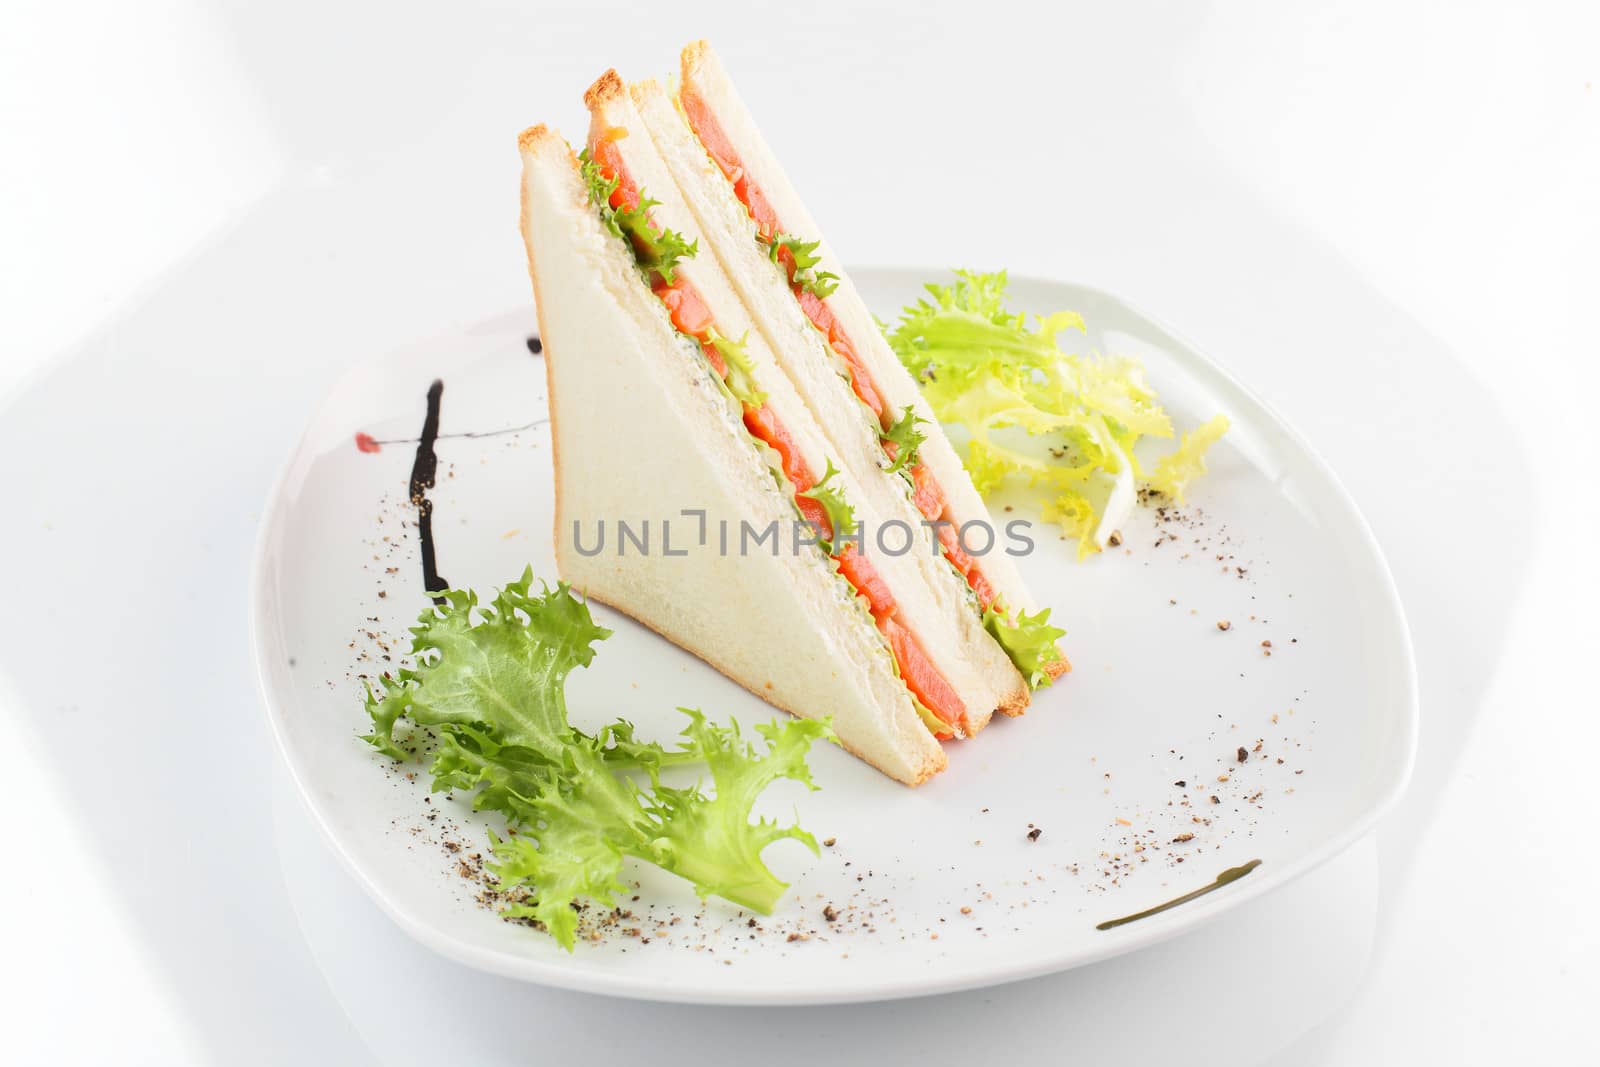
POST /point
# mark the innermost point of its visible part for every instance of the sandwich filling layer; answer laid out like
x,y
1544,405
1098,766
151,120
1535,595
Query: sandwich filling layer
x,y
811,290
941,707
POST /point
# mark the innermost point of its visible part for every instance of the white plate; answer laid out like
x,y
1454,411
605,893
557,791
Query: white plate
x,y
934,889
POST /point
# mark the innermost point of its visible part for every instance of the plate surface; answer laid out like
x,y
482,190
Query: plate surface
x,y
1130,767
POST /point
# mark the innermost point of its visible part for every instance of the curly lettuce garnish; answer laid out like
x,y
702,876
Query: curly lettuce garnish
x,y
741,376
841,516
655,248
488,690
803,256
906,439
1029,640
1079,519
980,365
1175,470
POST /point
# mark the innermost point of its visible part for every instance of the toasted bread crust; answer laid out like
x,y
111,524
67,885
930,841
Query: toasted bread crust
x,y
533,136
1016,702
694,53
606,87
528,142
602,100
641,90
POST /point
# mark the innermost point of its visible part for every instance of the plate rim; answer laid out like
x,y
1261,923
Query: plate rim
x,y
929,982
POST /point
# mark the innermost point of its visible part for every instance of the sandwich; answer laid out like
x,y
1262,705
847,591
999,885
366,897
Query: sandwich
x,y
687,402
843,364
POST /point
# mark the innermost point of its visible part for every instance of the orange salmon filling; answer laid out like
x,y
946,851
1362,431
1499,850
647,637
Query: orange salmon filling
x,y
927,494
690,315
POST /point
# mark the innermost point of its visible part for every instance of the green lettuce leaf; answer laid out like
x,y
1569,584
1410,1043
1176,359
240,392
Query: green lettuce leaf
x,y
1078,518
804,252
740,379
571,845
1063,424
1029,640
600,189
711,841
841,516
820,284
906,438
1175,470
656,249
487,689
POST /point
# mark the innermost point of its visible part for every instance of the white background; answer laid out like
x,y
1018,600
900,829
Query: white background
x,y
1385,217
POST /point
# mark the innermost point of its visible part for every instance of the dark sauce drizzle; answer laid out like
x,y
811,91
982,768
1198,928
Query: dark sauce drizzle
x,y
1232,874
423,470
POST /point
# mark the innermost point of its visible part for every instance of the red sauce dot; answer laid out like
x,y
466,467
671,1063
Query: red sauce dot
x,y
367,443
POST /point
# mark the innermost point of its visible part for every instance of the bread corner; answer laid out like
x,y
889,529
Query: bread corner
x,y
606,88
1016,702
694,54
528,138
644,90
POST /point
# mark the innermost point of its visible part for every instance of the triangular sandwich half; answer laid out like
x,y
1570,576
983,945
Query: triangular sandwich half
x,y
802,299
919,601
647,427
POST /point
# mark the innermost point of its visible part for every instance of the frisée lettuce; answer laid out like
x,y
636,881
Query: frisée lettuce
x,y
906,439
983,366
486,701
740,379
655,248
841,516
1029,640
804,259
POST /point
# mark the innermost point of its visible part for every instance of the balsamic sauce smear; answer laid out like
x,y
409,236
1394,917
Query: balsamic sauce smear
x,y
1232,874
423,470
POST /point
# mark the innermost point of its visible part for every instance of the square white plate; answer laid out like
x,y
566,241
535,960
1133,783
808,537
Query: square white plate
x,y
934,889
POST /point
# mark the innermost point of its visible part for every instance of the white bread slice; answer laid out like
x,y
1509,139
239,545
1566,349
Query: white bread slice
x,y
932,598
823,381
642,430
702,74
